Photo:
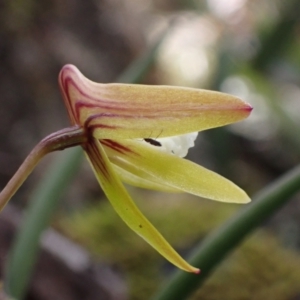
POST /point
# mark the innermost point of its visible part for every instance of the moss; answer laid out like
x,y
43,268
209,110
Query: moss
x,y
181,218
260,267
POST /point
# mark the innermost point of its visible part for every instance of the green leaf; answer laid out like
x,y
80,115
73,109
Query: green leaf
x,y
218,245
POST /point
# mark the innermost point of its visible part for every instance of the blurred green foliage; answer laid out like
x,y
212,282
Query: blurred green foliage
x,y
259,46
260,269
182,219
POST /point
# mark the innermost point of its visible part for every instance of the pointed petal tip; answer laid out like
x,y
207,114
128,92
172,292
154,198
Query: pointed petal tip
x,y
191,269
244,200
248,107
248,200
241,105
244,106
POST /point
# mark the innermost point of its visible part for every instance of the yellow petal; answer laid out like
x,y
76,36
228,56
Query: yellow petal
x,y
139,111
126,208
173,171
138,181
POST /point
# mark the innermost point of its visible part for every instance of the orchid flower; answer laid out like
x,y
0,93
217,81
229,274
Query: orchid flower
x,y
138,134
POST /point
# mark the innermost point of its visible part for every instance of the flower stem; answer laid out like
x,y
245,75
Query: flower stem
x,y
59,140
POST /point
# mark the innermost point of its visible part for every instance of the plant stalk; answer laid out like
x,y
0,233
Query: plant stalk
x,y
65,138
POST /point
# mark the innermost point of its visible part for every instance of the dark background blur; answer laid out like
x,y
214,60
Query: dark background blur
x,y
250,48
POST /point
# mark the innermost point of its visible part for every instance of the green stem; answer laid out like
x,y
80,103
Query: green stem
x,y
59,140
43,203
209,253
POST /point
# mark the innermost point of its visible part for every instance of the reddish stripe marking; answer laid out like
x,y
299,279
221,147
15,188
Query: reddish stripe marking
x,y
111,104
80,105
115,105
64,90
94,156
97,126
116,146
249,108
68,99
93,117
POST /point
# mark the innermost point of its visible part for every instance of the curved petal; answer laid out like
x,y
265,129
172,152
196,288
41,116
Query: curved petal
x,y
126,208
139,158
141,182
137,111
